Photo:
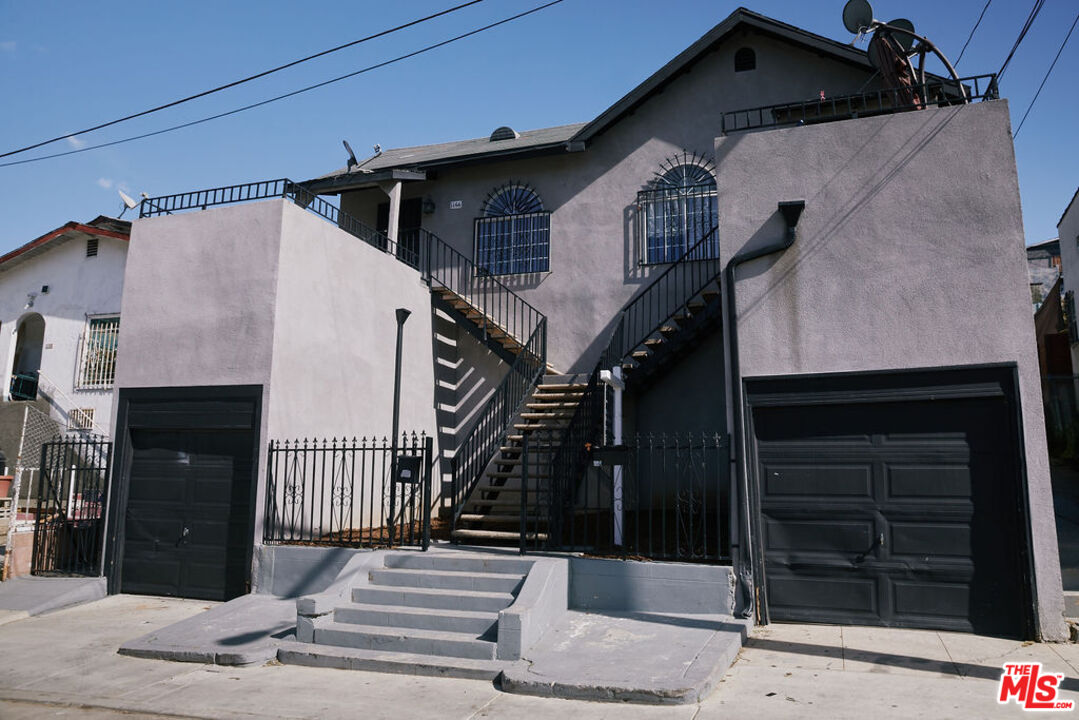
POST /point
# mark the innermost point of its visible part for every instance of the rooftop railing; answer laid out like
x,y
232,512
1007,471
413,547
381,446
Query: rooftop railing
x,y
936,92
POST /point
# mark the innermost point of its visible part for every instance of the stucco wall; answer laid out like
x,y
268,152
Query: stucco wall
x,y
909,254
594,252
1068,232
78,286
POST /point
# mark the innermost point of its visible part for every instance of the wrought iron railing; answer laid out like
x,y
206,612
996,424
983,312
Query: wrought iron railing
x,y
659,497
938,91
23,386
672,219
654,306
492,423
343,492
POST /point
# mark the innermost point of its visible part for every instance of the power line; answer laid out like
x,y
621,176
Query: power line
x,y
972,31
1022,34
234,83
1047,72
290,94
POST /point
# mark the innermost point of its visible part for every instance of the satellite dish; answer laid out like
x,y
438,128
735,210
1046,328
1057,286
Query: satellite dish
x,y
857,15
131,204
903,38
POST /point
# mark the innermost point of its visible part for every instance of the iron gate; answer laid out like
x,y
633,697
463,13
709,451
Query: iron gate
x,y
70,513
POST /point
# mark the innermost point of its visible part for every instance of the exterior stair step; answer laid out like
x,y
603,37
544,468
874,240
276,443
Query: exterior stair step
x,y
346,658
498,519
463,562
640,353
539,426
463,621
653,341
409,640
513,474
465,534
448,580
432,598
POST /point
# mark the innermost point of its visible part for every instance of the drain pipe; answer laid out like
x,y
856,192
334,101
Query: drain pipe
x,y
742,556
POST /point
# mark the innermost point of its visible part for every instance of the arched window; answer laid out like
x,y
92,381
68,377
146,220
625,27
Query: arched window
x,y
745,59
513,235
678,212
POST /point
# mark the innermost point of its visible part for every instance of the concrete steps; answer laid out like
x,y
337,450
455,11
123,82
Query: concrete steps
x,y
417,604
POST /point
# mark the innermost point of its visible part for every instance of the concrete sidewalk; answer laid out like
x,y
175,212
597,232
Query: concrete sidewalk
x,y
29,596
67,662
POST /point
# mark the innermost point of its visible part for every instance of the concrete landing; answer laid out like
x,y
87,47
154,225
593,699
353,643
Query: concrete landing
x,y
29,596
629,657
243,631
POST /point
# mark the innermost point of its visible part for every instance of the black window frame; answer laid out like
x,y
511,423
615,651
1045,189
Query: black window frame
x,y
513,235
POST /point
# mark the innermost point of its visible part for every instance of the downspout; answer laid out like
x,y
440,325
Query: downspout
x,y
742,541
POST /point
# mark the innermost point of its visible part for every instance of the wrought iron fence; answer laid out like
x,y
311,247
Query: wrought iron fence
x,y
352,493
672,220
659,497
71,496
491,427
939,91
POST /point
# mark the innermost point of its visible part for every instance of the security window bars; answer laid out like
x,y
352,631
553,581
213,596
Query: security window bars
x,y
81,419
514,234
676,213
98,366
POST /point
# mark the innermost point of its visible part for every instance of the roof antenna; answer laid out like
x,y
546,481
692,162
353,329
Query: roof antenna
x,y
377,148
352,162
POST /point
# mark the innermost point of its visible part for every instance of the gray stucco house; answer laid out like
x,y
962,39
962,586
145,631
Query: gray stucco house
x,y
744,250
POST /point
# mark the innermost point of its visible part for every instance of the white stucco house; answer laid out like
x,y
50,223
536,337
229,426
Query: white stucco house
x,y
59,320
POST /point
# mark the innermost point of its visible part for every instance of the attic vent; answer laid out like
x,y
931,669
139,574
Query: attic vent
x,y
504,133
91,247
745,59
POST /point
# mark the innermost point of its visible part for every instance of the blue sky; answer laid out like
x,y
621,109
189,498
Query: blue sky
x,y
68,65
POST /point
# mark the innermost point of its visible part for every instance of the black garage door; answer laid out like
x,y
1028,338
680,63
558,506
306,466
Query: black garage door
x,y
896,513
187,493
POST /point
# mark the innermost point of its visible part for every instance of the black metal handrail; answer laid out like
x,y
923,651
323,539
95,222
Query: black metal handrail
x,y
654,306
938,91
341,492
492,423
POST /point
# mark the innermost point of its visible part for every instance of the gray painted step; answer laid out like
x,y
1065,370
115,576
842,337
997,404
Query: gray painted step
x,y
459,561
449,580
329,656
480,535
462,621
434,598
409,640
502,518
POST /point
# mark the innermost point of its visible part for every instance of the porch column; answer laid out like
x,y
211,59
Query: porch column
x,y
393,191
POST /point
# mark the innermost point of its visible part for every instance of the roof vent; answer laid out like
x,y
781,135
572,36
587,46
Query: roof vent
x,y
504,133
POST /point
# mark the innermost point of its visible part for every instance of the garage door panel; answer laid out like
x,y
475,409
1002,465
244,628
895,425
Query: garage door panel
x,y
825,535
841,594
919,601
922,482
950,540
833,480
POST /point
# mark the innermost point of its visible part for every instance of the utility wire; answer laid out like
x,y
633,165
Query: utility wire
x,y
1022,34
1047,72
234,83
972,31
290,94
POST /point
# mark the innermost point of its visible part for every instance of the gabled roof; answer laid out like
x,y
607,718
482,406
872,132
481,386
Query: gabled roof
x,y
1070,203
100,227
569,138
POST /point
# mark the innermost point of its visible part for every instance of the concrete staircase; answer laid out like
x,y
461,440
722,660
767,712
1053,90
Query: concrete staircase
x,y
423,604
492,513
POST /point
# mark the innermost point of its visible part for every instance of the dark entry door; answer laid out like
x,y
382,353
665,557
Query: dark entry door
x,y
893,513
187,516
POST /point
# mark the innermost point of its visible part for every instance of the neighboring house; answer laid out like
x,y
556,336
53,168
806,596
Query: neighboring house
x,y
1068,239
1043,264
698,237
60,307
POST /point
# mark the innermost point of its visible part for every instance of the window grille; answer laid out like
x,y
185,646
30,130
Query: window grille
x,y
98,366
677,211
745,59
514,234
81,419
